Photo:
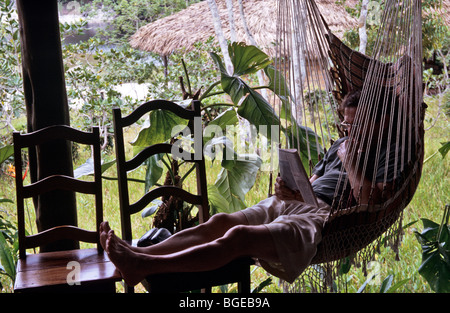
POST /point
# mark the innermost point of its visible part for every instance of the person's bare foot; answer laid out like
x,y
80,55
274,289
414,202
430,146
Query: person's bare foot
x,y
104,230
103,233
127,262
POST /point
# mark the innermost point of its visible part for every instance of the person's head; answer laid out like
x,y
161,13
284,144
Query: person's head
x,y
375,115
348,108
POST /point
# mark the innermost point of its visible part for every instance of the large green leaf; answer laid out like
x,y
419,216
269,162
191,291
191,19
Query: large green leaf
x,y
158,128
444,149
154,170
6,152
6,258
247,59
305,140
217,127
87,168
236,179
225,119
435,241
232,85
253,107
221,148
278,85
217,201
258,112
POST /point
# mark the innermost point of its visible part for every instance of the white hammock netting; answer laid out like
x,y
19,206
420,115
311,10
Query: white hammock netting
x,y
319,70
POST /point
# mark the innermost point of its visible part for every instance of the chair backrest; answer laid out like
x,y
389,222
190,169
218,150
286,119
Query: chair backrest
x,y
200,199
57,182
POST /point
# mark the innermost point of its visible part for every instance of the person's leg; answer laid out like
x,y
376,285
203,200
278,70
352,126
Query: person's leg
x,y
214,228
239,241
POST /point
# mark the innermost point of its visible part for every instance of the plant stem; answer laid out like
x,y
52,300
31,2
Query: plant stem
x,y
216,105
206,93
187,77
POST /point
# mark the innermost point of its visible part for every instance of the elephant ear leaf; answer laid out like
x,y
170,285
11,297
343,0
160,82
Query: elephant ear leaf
x,y
6,152
247,59
236,179
435,242
158,128
258,112
254,108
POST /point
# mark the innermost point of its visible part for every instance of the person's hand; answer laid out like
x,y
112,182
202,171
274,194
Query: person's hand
x,y
284,193
342,150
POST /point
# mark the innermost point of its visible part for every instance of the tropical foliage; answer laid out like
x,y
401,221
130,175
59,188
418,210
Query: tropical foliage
x,y
95,67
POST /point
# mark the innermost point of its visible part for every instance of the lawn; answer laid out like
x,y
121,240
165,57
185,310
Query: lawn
x,y
428,202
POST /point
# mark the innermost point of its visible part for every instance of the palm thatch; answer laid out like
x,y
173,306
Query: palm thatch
x,y
195,24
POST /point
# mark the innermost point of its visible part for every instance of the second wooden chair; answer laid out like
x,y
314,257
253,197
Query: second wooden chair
x,y
236,271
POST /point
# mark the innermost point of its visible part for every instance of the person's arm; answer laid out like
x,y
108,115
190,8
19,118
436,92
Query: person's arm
x,y
361,185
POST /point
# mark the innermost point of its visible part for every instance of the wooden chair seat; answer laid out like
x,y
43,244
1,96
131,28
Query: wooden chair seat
x,y
52,272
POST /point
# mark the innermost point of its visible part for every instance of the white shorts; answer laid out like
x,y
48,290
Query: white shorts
x,y
296,228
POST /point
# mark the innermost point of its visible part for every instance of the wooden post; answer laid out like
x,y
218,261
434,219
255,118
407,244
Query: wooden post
x,y
46,104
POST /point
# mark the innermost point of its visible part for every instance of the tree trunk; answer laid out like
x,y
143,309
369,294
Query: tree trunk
x,y
231,20
362,27
220,36
252,40
46,104
298,56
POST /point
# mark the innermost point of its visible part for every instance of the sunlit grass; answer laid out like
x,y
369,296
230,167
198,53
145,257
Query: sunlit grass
x,y
429,201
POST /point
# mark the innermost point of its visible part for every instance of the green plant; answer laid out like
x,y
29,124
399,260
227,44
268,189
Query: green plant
x,y
11,92
435,242
435,32
386,286
125,17
93,73
238,170
8,232
8,249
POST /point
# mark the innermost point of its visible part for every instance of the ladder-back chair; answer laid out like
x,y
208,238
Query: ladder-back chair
x,y
236,271
78,270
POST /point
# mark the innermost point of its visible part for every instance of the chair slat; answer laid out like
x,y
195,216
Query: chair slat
x,y
62,233
156,105
164,191
56,132
60,182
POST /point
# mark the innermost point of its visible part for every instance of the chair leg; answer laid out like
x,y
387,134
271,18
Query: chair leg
x,y
244,284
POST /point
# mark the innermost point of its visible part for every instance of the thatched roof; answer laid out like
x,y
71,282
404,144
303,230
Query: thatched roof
x,y
194,24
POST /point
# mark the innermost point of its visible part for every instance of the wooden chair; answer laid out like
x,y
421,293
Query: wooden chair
x,y
237,271
79,270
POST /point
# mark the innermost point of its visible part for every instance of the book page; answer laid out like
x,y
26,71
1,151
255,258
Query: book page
x,y
294,175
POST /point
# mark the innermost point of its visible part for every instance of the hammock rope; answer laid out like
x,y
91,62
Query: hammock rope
x,y
319,70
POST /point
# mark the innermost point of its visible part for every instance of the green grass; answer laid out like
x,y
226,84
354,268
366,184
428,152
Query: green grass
x,y
429,200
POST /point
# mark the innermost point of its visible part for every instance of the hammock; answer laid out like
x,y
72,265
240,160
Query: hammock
x,y
318,71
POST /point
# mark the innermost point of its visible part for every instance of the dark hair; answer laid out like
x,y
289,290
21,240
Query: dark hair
x,y
351,99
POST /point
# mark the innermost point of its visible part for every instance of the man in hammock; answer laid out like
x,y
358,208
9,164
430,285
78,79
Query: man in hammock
x,y
281,232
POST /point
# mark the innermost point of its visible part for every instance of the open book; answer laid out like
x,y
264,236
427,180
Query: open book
x,y
294,175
